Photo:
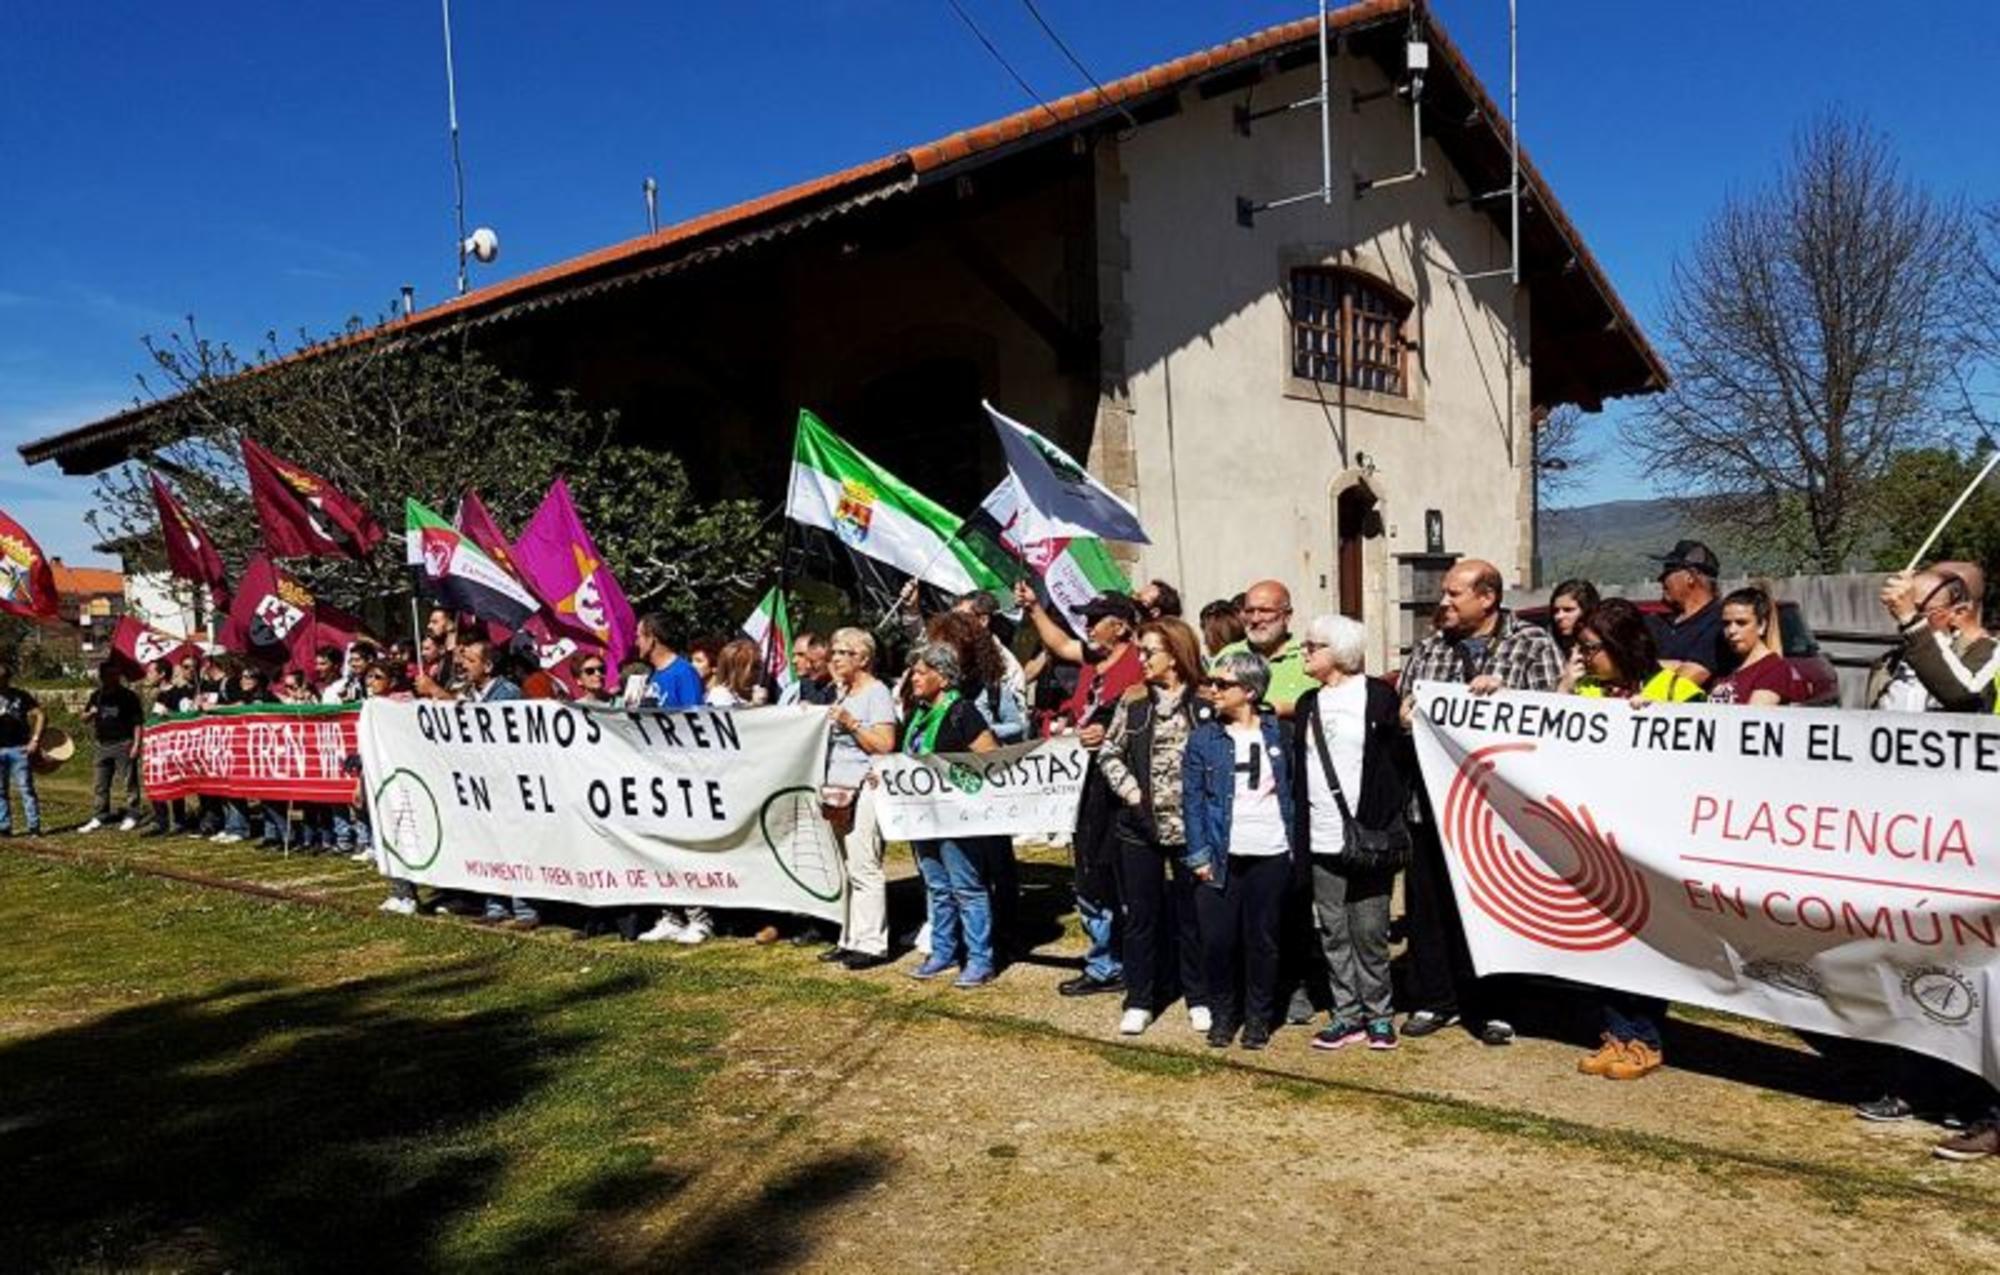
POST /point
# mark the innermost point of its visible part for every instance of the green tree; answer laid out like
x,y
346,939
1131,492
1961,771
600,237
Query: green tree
x,y
384,420
1914,492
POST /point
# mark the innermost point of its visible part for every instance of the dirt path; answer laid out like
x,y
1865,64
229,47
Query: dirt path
x,y
867,1122
993,1150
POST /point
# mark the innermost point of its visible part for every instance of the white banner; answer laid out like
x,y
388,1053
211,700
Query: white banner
x,y
1022,788
1831,871
547,800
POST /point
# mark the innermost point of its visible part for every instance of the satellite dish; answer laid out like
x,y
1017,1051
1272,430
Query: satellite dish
x,y
482,244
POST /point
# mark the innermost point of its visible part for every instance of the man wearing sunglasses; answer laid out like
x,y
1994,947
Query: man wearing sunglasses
x,y
593,677
1690,636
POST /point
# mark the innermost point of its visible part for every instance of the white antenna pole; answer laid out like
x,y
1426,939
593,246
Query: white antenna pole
x,y
1952,512
1514,132
457,165
1325,116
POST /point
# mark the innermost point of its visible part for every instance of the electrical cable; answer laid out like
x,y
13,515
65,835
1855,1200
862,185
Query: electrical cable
x,y
1077,62
999,57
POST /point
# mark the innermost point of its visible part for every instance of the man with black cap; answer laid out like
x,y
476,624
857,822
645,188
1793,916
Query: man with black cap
x,y
1110,666
1690,634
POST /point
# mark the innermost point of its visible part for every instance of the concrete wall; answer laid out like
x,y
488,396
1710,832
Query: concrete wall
x,y
1236,474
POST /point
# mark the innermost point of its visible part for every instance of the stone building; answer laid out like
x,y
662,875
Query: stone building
x,y
1295,393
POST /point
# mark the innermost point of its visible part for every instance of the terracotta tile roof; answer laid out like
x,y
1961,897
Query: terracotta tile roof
x,y
86,581
918,161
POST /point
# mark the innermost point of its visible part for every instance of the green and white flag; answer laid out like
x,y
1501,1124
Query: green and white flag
x,y
771,629
1071,570
457,574
878,516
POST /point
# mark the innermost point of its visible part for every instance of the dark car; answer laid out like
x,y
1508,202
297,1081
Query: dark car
x,y
1801,648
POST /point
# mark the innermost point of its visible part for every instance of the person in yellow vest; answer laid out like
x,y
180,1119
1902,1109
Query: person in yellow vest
x,y
1617,658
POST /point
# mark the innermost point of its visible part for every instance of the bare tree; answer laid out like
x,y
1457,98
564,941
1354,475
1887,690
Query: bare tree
x,y
1813,334
1562,460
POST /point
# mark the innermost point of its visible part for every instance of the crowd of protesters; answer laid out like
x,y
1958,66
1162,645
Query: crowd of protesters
x,y
1252,805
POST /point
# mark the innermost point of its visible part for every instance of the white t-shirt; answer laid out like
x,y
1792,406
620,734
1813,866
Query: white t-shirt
x,y
1257,822
1343,715
846,761
723,697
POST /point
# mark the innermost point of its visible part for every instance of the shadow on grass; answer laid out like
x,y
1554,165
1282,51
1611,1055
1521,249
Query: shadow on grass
x,y
269,1126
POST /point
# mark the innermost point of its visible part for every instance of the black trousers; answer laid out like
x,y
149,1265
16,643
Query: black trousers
x,y
1162,935
1441,978
1239,939
1006,879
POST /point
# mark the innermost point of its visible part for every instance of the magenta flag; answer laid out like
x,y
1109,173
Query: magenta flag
x,y
560,562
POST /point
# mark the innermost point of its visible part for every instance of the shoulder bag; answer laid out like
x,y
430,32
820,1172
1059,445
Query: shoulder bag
x,y
1365,850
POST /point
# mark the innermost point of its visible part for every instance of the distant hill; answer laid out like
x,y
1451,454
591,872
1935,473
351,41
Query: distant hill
x,y
1610,542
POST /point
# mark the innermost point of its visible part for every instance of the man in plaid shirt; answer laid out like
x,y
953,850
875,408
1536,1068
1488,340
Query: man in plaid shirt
x,y
1480,645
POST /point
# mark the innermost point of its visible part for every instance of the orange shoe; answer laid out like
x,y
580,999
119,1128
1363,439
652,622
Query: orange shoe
x,y
1640,1059
1599,1063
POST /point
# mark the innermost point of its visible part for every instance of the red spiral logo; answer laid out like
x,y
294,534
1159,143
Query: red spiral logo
x,y
1596,905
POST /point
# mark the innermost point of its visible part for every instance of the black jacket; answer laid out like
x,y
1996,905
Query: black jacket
x,y
1387,764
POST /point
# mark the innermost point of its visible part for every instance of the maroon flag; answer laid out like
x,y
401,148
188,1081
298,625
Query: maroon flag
x,y
191,555
477,524
27,581
142,645
303,515
276,618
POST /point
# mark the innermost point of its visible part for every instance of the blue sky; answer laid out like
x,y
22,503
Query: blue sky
x,y
271,167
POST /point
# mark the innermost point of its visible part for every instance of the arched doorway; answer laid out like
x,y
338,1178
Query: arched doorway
x,y
1356,519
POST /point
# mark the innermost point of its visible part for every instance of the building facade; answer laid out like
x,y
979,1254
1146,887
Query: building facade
x,y
1309,392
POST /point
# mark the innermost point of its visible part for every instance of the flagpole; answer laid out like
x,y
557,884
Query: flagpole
x,y
1952,512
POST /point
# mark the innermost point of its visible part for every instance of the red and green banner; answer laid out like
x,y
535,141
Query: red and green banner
x,y
295,753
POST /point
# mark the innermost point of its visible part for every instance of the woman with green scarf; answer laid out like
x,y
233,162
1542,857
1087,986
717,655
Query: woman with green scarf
x,y
957,871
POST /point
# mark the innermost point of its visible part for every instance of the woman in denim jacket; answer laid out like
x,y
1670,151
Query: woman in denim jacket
x,y
1237,801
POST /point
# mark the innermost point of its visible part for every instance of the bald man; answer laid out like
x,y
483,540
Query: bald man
x,y
1948,661
1267,630
1480,645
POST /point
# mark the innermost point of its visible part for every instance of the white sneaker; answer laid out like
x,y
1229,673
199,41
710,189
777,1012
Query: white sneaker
x,y
92,826
127,824
699,928
361,856
1134,1022
399,905
1200,1019
665,929
923,943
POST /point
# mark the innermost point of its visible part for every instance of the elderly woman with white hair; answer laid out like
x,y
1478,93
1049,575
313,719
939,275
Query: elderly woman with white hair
x,y
957,871
1350,779
861,724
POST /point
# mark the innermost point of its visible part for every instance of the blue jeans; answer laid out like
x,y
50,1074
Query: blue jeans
x,y
958,888
1099,926
1628,1016
14,766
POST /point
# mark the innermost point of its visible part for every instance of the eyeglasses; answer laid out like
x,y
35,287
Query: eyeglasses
x,y
1309,646
1589,647
1221,683
591,670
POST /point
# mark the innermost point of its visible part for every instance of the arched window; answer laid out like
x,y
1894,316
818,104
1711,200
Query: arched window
x,y
1347,329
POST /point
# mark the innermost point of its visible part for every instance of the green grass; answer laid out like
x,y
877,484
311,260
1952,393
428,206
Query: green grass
x,y
194,1079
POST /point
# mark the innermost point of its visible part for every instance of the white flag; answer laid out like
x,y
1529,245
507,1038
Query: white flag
x,y
1069,501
